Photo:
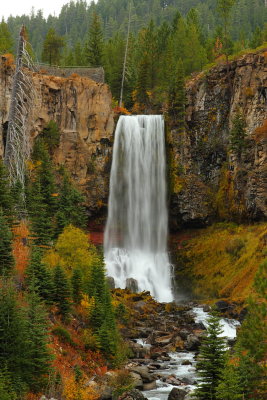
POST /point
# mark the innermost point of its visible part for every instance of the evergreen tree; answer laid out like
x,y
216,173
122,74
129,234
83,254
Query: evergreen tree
x,y
70,205
6,257
61,294
6,389
6,199
251,345
102,316
238,134
211,360
52,47
38,274
77,286
94,46
13,335
229,388
224,8
176,106
6,41
38,363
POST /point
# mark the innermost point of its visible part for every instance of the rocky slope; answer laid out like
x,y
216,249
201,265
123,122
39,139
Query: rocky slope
x,y
82,110
208,180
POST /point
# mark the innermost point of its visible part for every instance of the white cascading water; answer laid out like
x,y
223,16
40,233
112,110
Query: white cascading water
x,y
135,239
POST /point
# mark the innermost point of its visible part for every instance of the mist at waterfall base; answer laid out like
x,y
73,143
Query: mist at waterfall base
x,y
135,240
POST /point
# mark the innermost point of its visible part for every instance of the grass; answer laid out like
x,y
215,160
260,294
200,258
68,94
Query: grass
x,y
223,260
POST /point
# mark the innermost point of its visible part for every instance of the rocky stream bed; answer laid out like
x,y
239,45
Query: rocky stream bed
x,y
163,365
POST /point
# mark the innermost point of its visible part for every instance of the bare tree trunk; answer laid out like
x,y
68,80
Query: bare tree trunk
x,y
125,56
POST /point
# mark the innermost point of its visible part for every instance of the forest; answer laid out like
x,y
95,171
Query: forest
x,y
66,333
161,33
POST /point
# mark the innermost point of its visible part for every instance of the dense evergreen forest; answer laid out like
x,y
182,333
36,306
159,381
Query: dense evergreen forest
x,y
162,32
61,326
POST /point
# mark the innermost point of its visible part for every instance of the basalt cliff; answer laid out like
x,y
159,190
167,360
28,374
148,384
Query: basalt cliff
x,y
82,110
208,181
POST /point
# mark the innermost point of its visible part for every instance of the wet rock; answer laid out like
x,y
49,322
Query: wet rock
x,y
143,371
223,305
184,333
137,381
206,308
150,386
172,380
192,343
133,394
132,285
163,340
111,282
177,394
186,362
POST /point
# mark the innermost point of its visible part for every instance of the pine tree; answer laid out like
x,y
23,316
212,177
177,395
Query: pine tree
x,y
251,345
70,205
102,316
229,388
38,274
6,41
94,46
6,389
61,294
38,363
52,47
238,134
6,200
6,257
13,335
77,286
211,360
176,106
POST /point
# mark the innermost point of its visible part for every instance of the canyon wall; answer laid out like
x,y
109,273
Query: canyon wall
x,y
208,180
82,109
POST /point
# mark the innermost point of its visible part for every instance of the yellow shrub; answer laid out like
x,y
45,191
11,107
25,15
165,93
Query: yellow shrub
x,y
73,250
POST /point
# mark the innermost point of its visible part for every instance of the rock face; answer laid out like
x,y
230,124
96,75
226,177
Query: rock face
x,y
210,181
82,110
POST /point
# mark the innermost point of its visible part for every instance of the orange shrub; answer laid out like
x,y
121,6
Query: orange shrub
x,y
21,249
261,132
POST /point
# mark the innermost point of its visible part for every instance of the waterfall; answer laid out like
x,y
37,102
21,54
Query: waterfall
x,y
135,241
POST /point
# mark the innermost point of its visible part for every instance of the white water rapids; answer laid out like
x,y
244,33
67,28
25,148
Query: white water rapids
x,y
135,241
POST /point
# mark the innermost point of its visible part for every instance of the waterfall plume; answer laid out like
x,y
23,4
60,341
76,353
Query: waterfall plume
x,y
135,242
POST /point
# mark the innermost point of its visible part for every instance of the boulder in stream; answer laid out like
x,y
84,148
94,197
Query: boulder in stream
x,y
132,285
133,394
177,394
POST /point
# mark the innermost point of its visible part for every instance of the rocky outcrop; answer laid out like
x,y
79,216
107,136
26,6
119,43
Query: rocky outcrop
x,y
82,110
209,181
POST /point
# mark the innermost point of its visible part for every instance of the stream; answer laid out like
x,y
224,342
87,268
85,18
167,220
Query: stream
x,y
182,365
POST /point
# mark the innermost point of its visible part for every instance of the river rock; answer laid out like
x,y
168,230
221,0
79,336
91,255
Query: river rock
x,y
222,305
133,394
111,282
137,381
143,371
132,285
163,340
184,333
186,362
177,394
192,343
150,386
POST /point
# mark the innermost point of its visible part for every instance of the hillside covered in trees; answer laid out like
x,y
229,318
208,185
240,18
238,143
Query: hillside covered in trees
x,y
161,33
66,333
